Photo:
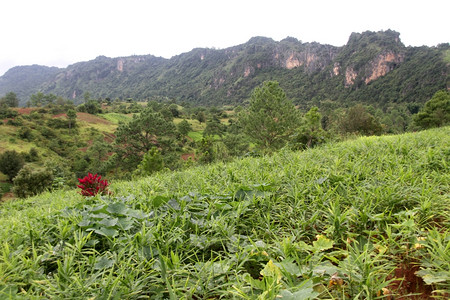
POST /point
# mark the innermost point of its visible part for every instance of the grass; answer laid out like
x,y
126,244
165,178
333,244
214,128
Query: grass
x,y
196,135
196,125
116,118
335,222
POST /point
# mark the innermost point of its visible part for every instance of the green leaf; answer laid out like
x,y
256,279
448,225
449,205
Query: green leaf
x,y
322,243
84,223
117,208
95,209
304,293
103,263
159,200
174,204
9,292
431,277
304,246
108,222
125,223
136,214
111,232
271,270
290,267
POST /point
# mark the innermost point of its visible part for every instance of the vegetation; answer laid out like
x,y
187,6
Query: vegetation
x,y
10,163
436,112
309,73
363,219
29,182
271,118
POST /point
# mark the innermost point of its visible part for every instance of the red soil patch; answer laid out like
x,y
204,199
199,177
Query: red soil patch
x,y
409,285
7,196
92,119
25,110
186,156
58,116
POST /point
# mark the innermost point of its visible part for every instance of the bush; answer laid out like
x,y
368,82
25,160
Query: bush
x,y
10,163
15,122
25,133
152,162
29,182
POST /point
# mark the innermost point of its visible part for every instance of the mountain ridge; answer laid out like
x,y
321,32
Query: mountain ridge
x,y
373,67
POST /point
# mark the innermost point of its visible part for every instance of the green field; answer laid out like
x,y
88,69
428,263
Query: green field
x,y
343,221
116,118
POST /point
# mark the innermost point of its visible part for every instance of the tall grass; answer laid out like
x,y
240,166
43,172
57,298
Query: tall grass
x,y
333,223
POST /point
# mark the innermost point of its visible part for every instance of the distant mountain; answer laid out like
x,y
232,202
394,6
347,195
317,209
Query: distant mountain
x,y
26,80
373,67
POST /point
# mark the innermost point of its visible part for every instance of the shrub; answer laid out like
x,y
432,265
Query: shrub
x,y
25,133
92,185
10,163
152,162
14,122
29,182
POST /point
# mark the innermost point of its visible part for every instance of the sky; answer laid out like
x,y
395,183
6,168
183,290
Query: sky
x,y
62,32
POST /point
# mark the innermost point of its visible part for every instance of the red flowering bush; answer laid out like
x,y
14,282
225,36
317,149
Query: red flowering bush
x,y
92,185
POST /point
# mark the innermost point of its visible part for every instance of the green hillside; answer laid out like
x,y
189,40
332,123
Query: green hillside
x,y
372,68
343,221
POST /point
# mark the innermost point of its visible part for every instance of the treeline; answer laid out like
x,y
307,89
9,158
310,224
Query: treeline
x,y
163,135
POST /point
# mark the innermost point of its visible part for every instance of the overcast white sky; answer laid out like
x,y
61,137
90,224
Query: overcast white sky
x,y
62,32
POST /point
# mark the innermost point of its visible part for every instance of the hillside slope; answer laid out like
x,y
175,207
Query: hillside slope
x,y
351,219
373,67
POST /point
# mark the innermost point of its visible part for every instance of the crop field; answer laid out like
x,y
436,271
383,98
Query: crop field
x,y
362,219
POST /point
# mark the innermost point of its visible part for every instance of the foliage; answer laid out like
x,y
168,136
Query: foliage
x,y
10,163
310,133
214,127
92,185
142,133
270,117
436,111
90,107
10,100
72,116
333,222
40,99
228,76
184,127
109,220
7,112
358,120
151,162
31,181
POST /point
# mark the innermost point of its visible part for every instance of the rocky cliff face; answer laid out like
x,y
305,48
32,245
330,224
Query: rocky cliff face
x,y
383,64
209,76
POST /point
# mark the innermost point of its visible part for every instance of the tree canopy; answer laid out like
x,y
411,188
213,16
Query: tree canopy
x,y
147,130
270,117
436,111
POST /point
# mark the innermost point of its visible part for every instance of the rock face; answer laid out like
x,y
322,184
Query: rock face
x,y
350,76
383,64
221,76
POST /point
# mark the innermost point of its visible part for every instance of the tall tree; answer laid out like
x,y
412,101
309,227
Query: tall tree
x,y
359,120
436,111
184,127
10,99
270,118
145,131
72,116
214,127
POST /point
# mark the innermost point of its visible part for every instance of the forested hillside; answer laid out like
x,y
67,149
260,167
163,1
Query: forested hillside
x,y
372,68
